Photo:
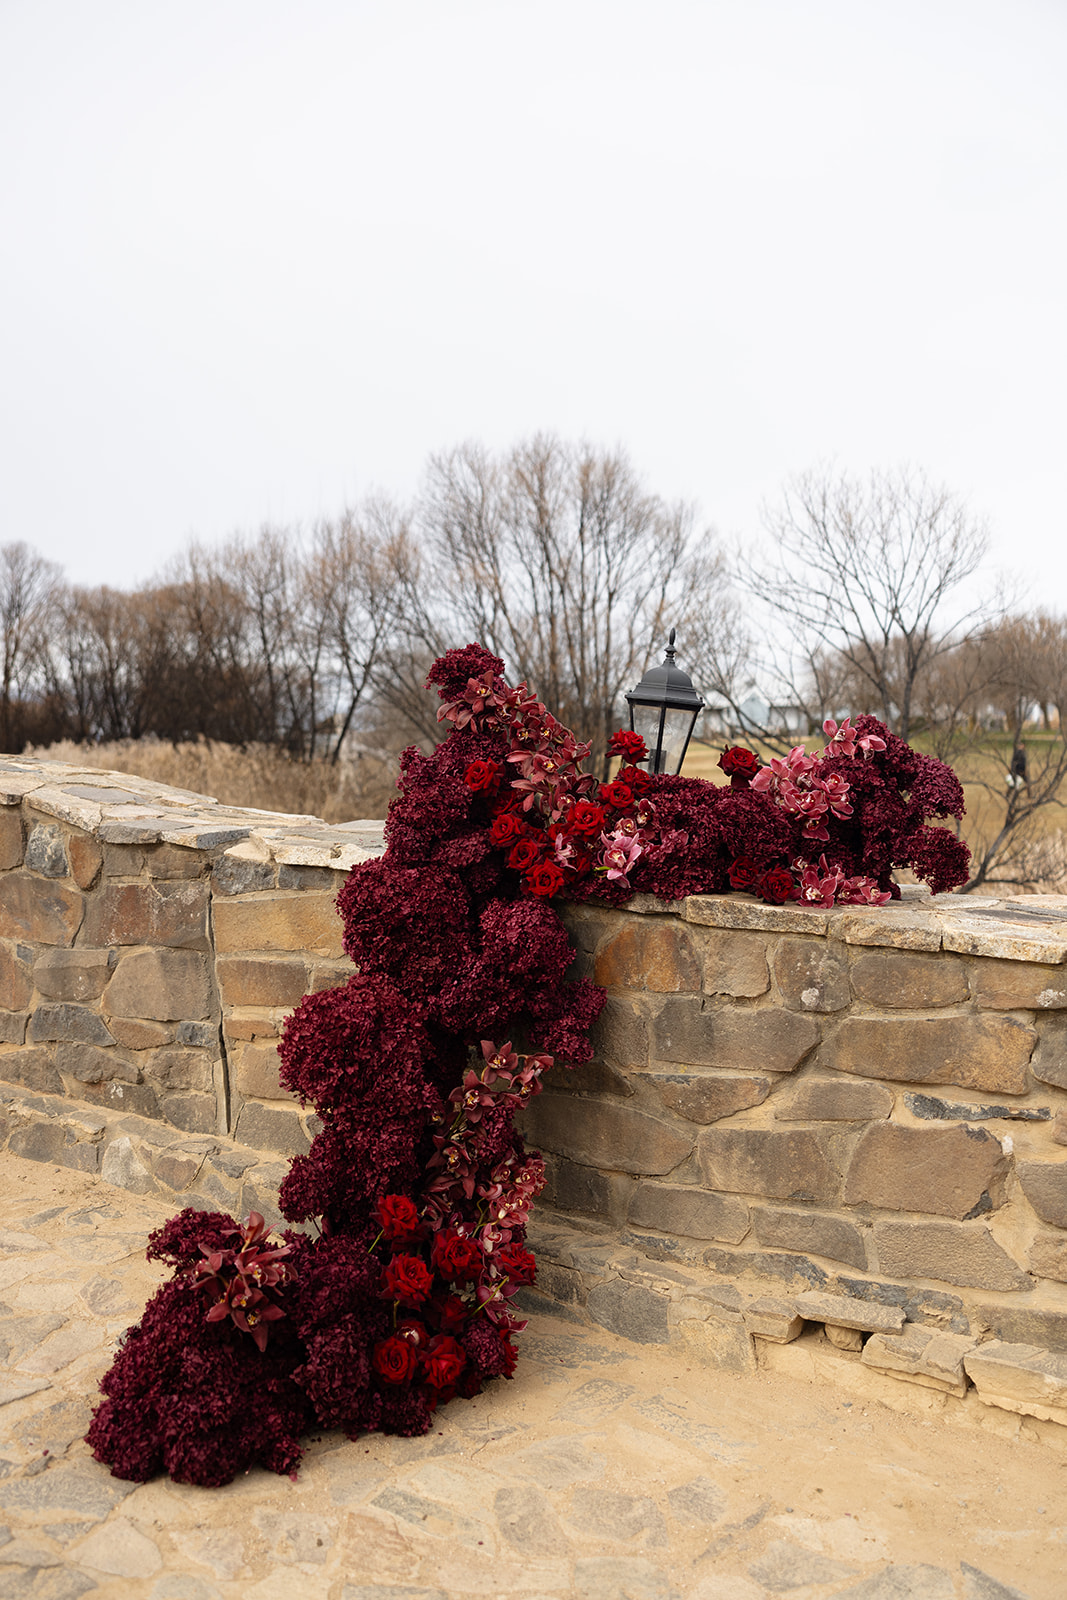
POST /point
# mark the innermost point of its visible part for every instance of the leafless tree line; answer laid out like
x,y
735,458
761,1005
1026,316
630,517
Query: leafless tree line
x,y
559,558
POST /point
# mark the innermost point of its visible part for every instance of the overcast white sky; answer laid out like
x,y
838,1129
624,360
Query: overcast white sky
x,y
259,258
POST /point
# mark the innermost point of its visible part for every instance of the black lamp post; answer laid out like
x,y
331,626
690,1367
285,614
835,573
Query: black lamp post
x,y
663,710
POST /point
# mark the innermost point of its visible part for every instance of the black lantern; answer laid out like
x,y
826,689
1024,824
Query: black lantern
x,y
663,710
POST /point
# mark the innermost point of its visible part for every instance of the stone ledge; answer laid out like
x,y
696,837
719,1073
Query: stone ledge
x,y
142,1155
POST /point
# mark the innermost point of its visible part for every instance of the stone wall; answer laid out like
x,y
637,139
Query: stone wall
x,y
151,942
867,1107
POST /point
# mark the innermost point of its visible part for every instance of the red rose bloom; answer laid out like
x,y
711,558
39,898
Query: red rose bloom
x,y
777,886
525,854
506,829
452,1312
544,879
398,1217
517,1263
739,764
455,1258
635,778
619,795
406,1279
585,819
395,1359
482,775
743,873
511,1355
627,744
443,1362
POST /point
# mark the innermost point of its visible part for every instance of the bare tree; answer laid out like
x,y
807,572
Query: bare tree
x,y
557,558
870,571
28,586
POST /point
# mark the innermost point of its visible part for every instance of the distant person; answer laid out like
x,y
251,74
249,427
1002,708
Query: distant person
x,y
1018,777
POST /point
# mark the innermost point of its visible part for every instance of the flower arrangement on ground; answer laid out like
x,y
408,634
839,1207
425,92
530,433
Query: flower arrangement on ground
x,y
418,1187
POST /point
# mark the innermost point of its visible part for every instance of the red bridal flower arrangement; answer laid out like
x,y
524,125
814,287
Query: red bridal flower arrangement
x,y
418,1186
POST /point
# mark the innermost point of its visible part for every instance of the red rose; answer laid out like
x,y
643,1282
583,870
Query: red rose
x,y
407,1279
619,795
544,879
517,1263
585,819
456,1259
398,1217
482,775
743,873
507,828
443,1362
635,778
627,744
395,1359
525,854
777,886
739,765
452,1312
511,1355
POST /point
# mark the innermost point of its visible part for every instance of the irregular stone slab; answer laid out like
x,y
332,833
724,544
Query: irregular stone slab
x,y
607,1134
620,1033
1048,1256
120,1550
741,1041
690,1211
698,1502
765,1161
78,1487
811,975
62,1347
68,1022
707,1097
1044,1184
630,1311
1021,1378
160,985
10,839
774,1319
909,982
813,1232
16,981
946,1172
648,955
261,981
606,1514
42,913
739,911
972,1052
271,1128
621,1578
86,859
1019,986
72,974
171,914
46,851
784,1565
925,1355
963,1253
13,1388
844,1311
892,926
734,964
689,1430
528,1521
835,1100
1005,933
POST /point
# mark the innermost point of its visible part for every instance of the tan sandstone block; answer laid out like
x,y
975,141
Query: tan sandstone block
x,y
1049,1061
835,1100
812,1233
971,1052
648,955
688,1211
735,963
1020,1378
1020,986
946,1172
10,838
171,914
773,1319
706,1097
86,859
1044,1184
812,975
893,926
608,1134
961,1253
768,1162
907,982
39,911
255,1072
728,1037
925,1355
1048,1256
160,986
138,1035
72,974
248,981
16,983
298,921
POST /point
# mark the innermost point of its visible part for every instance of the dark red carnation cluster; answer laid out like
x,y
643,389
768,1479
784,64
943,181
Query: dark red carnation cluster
x,y
417,1183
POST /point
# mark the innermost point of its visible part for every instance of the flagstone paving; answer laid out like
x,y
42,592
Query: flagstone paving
x,y
601,1472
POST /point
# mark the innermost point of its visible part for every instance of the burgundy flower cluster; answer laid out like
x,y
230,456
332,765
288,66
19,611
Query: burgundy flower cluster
x,y
417,1184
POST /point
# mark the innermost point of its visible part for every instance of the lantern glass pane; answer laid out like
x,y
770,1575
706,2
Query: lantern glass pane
x,y
646,722
677,726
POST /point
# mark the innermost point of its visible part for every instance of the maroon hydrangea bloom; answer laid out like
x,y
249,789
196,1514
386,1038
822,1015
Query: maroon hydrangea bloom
x,y
451,672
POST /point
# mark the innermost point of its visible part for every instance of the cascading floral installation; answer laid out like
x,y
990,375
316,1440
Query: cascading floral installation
x,y
418,1186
